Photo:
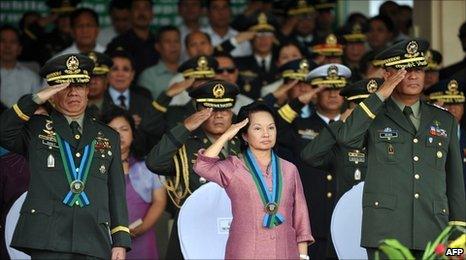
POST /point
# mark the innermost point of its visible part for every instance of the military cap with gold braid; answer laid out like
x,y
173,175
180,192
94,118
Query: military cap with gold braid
x,y
62,6
335,76
321,5
218,94
199,67
102,62
360,90
301,7
354,33
330,47
434,59
262,23
297,69
72,68
448,91
409,53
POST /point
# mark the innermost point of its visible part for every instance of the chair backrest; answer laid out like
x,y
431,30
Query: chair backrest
x,y
204,222
346,225
10,225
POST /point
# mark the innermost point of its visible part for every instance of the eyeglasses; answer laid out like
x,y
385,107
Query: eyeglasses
x,y
227,69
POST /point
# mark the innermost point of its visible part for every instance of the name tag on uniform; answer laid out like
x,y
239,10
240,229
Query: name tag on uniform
x,y
388,133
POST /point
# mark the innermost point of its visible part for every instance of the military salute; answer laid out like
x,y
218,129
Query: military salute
x,y
75,205
414,182
176,152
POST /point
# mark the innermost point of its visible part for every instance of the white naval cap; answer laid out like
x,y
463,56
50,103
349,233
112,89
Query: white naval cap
x,y
334,75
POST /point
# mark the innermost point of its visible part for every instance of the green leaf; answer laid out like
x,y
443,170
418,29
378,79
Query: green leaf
x,y
392,253
445,233
404,250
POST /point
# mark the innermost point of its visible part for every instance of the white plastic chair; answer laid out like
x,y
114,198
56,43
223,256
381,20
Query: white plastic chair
x,y
346,225
10,225
204,223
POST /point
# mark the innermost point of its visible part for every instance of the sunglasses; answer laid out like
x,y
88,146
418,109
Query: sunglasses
x,y
227,69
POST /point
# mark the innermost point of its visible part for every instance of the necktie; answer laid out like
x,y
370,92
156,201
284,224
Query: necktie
x,y
407,111
331,121
122,101
263,67
75,131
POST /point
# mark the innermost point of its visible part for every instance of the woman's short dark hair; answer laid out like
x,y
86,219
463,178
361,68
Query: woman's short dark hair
x,y
246,111
116,112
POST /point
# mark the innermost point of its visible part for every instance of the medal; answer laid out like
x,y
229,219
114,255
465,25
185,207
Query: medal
x,y
271,208
270,197
76,176
77,186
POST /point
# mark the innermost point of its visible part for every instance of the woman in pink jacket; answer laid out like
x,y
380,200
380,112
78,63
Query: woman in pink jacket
x,y
270,217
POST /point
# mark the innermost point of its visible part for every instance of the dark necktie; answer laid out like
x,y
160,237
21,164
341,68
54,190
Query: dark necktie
x,y
407,111
331,121
263,67
122,101
75,131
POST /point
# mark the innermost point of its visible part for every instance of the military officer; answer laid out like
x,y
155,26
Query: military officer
x,y
98,83
325,153
196,71
297,129
450,95
414,182
354,40
176,152
434,62
259,69
76,205
328,51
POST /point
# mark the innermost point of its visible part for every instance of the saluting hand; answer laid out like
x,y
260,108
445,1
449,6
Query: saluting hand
x,y
195,120
391,82
49,91
280,93
177,88
234,129
306,98
245,36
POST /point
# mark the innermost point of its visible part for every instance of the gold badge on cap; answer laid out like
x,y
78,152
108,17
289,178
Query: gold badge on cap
x,y
371,86
412,48
332,71
202,63
304,66
357,28
262,19
452,87
218,91
331,39
93,57
72,65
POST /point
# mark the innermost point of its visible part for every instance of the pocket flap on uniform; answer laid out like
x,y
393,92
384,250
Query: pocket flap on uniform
x,y
385,201
103,217
33,206
440,207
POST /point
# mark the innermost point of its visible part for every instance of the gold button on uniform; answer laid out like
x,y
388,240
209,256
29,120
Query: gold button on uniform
x,y
415,140
376,203
78,155
415,158
329,194
444,210
33,211
439,154
417,176
416,195
329,177
77,136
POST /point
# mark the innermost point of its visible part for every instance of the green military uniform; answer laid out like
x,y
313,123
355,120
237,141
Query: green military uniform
x,y
176,152
324,151
200,69
414,183
102,65
94,217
